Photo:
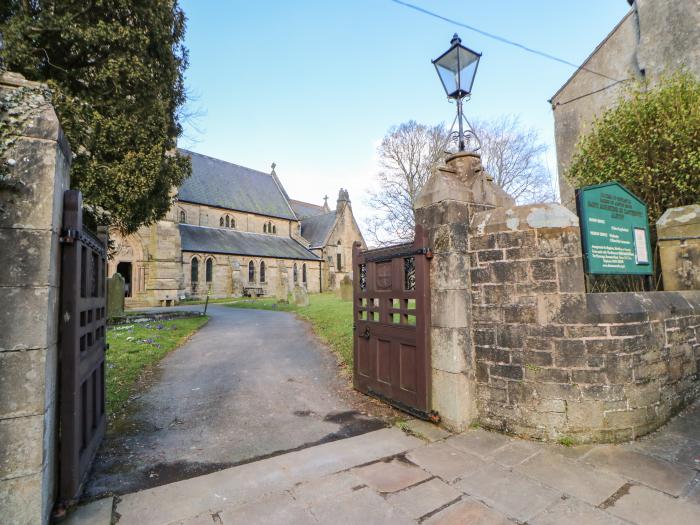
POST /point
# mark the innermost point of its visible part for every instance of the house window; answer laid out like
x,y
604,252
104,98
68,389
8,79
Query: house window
x,y
209,270
183,217
303,273
262,271
221,221
251,272
194,274
296,273
339,262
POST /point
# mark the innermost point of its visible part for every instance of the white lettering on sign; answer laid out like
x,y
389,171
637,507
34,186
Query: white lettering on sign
x,y
598,221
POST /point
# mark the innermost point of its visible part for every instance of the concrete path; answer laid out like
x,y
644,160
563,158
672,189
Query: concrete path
x,y
250,384
478,477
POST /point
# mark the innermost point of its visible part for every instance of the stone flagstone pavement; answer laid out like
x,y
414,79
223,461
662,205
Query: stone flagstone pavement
x,y
476,478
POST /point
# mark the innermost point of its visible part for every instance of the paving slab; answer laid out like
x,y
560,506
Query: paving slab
x,y
97,512
246,483
694,493
390,476
656,473
277,509
425,498
326,487
645,506
426,430
468,512
574,478
516,452
361,507
444,461
511,493
480,442
671,446
572,511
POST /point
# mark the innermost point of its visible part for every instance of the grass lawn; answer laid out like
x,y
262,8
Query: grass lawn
x,y
330,318
135,347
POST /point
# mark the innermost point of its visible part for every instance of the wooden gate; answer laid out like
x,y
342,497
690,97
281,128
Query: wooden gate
x,y
391,311
81,350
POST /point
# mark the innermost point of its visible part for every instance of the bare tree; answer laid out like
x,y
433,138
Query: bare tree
x,y
512,155
407,155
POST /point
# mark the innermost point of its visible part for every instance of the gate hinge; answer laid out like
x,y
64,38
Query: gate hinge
x,y
425,251
70,235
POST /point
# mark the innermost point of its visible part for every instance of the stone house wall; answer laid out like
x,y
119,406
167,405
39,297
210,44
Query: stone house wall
x,y
30,226
340,242
553,361
655,37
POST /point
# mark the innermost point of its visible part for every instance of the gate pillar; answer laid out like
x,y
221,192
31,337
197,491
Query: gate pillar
x,y
450,197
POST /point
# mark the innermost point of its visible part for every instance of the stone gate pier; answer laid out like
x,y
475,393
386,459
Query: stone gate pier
x,y
517,343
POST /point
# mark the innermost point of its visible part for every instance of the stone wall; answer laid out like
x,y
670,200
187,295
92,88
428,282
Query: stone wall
x,y
30,222
552,361
656,36
678,237
203,215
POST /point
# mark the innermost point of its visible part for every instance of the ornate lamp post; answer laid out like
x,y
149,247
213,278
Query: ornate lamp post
x,y
456,68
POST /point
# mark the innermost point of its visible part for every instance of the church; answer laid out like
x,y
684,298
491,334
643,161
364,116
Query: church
x,y
234,231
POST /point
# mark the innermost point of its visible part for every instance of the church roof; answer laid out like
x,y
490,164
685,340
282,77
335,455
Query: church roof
x,y
222,184
316,229
305,209
233,242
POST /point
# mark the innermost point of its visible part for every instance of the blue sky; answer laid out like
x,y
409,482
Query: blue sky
x,y
314,85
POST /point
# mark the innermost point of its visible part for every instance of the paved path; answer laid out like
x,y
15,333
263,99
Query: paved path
x,y
477,477
249,384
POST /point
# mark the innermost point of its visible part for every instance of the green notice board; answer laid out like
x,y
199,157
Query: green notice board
x,y
614,230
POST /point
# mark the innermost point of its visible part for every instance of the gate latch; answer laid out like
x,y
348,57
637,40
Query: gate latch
x,y
366,334
69,236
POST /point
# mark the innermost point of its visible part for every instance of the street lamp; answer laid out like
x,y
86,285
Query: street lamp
x,y
456,68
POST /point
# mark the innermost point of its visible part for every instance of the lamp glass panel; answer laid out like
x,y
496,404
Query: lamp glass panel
x,y
458,62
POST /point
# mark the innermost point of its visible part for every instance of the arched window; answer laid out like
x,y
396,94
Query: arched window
x,y
251,272
233,222
303,273
296,273
209,270
194,273
183,217
274,229
228,221
264,228
221,221
262,271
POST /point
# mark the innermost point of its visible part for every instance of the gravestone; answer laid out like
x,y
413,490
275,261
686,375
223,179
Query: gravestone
x,y
115,296
345,289
301,296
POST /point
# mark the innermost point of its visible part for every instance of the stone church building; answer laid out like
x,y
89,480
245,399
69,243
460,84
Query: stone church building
x,y
234,231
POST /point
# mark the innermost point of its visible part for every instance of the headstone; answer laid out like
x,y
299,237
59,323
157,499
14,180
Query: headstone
x,y
282,288
346,289
115,296
301,296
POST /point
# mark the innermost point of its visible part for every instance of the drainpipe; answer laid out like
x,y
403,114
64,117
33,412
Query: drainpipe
x,y
320,277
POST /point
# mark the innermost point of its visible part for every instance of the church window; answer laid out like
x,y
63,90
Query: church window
x,y
183,217
274,229
233,222
209,269
264,228
303,273
296,273
194,273
221,221
262,271
339,265
251,272
228,221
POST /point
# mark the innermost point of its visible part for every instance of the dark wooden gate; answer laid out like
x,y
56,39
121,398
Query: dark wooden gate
x,y
81,350
392,322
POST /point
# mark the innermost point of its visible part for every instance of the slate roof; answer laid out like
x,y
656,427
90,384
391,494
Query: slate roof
x,y
305,209
218,183
233,242
316,229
